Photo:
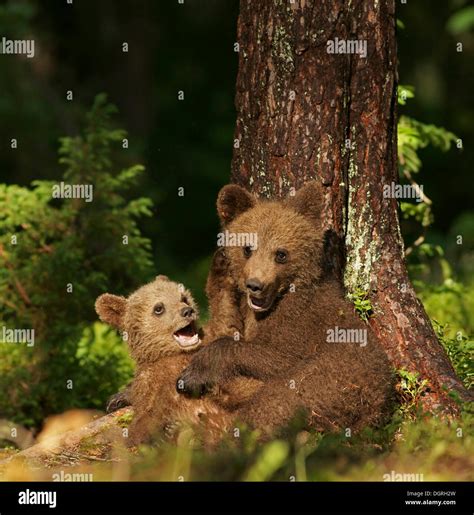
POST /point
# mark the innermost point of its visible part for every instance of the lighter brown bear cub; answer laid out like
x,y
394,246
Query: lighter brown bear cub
x,y
159,321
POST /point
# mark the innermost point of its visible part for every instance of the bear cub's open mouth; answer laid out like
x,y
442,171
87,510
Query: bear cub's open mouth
x,y
187,336
258,303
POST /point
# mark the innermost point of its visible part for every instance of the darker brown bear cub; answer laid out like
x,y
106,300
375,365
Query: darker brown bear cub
x,y
301,336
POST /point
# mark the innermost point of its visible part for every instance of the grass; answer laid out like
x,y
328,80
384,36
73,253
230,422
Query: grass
x,y
423,447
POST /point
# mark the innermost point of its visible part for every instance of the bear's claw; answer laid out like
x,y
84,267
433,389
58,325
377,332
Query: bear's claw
x,y
118,400
186,385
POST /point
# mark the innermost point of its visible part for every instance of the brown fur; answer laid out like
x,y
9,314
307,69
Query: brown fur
x,y
160,359
337,385
224,299
226,308
159,408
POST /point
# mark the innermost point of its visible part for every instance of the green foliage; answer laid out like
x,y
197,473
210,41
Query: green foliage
x,y
272,456
414,135
362,304
56,256
461,21
460,350
420,212
104,365
449,303
125,420
410,390
405,92
444,299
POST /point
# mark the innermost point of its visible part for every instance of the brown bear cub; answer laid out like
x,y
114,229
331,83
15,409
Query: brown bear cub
x,y
302,337
225,320
159,322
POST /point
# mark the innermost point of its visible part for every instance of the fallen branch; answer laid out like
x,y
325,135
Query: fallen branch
x,y
91,443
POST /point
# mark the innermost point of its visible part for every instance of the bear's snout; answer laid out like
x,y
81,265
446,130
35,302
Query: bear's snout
x,y
187,312
254,285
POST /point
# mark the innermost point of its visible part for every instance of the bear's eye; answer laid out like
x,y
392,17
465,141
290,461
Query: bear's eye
x,y
247,251
159,309
185,299
281,256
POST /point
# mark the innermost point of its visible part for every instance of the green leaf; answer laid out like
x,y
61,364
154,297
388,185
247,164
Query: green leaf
x,y
271,458
414,135
405,92
461,21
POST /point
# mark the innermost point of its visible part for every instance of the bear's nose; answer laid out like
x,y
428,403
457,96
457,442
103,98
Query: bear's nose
x,y
187,312
254,285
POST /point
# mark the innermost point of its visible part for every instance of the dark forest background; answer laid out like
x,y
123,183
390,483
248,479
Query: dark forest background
x,y
188,143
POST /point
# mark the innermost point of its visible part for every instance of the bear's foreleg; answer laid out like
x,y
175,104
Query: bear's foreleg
x,y
225,358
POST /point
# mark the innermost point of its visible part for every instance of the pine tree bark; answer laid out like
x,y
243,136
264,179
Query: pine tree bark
x,y
305,114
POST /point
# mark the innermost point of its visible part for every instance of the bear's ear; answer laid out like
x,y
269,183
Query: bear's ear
x,y
308,201
111,309
162,278
220,261
232,201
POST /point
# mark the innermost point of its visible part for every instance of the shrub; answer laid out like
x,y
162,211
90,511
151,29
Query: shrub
x,y
56,256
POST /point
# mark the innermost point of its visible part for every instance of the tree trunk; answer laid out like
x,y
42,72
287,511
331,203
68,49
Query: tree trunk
x,y
304,114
